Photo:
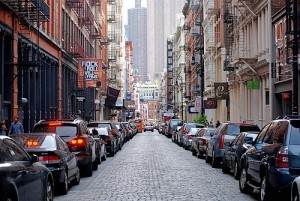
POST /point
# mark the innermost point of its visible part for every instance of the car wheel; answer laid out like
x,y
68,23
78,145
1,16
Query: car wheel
x,y
214,162
200,154
295,194
225,169
236,171
64,186
265,193
89,169
207,158
49,191
243,182
95,165
10,196
76,180
104,157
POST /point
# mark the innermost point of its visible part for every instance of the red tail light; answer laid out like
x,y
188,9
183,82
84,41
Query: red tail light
x,y
106,139
221,142
113,132
49,159
282,158
77,142
191,137
185,131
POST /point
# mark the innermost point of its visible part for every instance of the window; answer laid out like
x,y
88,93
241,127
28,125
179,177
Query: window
x,y
11,151
270,133
267,98
259,139
280,132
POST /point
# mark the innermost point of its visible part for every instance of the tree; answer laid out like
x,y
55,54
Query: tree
x,y
201,119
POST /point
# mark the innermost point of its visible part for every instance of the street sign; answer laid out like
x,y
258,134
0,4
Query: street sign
x,y
80,98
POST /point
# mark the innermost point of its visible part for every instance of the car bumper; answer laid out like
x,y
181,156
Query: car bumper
x,y
280,178
82,158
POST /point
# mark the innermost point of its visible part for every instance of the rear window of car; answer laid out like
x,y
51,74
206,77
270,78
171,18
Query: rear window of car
x,y
193,131
295,132
237,129
63,130
189,126
107,125
36,141
176,122
102,131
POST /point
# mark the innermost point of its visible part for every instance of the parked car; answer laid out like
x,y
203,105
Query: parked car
x,y
273,162
178,138
295,190
200,141
79,140
188,138
133,127
235,150
22,177
54,153
225,133
128,130
101,145
113,129
149,127
173,127
107,136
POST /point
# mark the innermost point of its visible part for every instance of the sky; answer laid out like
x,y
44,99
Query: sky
x,y
130,4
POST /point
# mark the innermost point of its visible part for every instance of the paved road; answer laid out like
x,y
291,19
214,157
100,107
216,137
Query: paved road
x,y
151,167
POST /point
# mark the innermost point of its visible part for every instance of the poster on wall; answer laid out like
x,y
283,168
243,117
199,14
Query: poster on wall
x,y
89,71
198,104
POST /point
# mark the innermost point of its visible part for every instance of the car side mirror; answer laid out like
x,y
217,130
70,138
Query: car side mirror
x,y
34,158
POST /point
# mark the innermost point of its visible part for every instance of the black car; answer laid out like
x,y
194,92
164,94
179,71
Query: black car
x,y
77,136
54,153
115,131
273,162
235,150
22,177
101,144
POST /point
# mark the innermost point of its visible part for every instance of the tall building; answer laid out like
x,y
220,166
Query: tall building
x,y
161,21
137,33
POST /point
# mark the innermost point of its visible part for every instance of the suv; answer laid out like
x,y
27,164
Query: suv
x,y
222,137
172,127
273,162
78,139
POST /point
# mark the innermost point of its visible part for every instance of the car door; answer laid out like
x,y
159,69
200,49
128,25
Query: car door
x,y
29,173
231,151
68,156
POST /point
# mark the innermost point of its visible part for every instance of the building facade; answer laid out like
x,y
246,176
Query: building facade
x,y
161,20
137,33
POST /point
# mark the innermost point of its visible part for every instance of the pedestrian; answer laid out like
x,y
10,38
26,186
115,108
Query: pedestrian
x,y
3,127
211,124
16,127
218,124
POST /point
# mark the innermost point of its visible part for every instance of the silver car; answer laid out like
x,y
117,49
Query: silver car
x,y
149,127
187,139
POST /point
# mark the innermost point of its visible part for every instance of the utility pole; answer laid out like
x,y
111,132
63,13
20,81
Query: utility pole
x,y
295,58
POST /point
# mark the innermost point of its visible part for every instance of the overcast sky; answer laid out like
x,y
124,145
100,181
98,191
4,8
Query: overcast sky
x,y
130,4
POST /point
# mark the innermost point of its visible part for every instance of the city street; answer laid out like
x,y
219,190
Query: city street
x,y
151,167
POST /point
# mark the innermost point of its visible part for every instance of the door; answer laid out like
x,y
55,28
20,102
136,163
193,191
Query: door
x,y
29,173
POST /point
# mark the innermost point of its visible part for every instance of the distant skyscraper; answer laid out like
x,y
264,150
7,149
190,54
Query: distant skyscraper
x,y
137,33
161,23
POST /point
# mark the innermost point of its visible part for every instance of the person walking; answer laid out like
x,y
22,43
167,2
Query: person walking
x,y
16,127
218,124
3,128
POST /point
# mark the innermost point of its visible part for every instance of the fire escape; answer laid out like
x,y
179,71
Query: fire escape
x,y
112,48
30,14
170,89
74,47
239,50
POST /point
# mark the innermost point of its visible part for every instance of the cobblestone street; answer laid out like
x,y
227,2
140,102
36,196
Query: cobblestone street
x,y
151,167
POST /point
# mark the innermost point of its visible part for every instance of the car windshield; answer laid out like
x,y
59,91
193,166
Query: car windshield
x,y
208,132
295,132
63,130
249,139
193,131
176,122
36,141
237,129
